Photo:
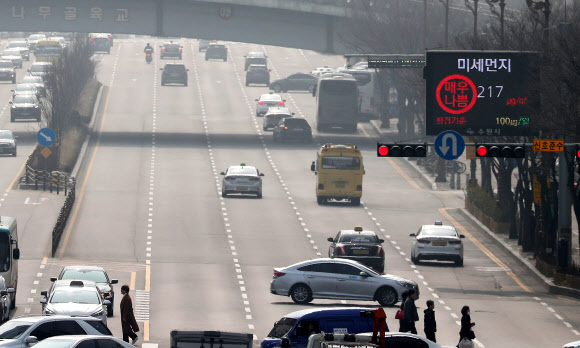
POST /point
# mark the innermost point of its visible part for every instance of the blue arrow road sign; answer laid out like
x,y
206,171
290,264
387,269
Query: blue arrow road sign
x,y
46,136
449,145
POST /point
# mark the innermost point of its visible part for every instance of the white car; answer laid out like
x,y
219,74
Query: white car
x,y
267,101
14,57
75,297
437,242
242,179
322,70
575,344
72,341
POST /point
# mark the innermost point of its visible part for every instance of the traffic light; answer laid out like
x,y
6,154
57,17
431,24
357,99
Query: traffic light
x,y
401,150
577,152
500,150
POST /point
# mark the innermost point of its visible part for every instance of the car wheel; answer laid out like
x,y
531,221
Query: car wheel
x,y
355,201
13,299
185,84
319,127
277,88
301,294
38,119
110,310
415,260
320,200
459,263
12,119
224,194
225,59
247,84
311,88
265,128
387,296
14,153
259,195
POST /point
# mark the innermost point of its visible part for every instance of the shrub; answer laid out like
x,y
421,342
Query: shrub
x,y
486,203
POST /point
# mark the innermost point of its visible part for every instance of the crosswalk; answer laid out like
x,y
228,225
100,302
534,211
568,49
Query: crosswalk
x,y
141,305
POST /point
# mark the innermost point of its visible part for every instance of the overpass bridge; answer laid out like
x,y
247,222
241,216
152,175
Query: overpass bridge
x,y
308,24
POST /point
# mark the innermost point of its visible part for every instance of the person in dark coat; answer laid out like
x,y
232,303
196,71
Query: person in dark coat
x,y
411,315
466,325
404,295
430,325
128,322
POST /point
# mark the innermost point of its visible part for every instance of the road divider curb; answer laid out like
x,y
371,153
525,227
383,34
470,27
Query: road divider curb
x,y
83,151
545,281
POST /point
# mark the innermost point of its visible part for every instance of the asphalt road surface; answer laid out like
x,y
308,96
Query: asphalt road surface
x,y
149,210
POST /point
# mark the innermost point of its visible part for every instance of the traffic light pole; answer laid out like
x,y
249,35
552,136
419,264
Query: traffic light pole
x,y
564,245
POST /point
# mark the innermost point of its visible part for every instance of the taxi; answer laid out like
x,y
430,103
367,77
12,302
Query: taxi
x,y
242,179
437,242
359,245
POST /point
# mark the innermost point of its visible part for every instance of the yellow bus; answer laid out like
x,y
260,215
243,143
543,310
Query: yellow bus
x,y
48,50
339,173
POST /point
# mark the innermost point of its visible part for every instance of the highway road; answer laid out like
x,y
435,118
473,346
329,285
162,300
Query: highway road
x,y
149,210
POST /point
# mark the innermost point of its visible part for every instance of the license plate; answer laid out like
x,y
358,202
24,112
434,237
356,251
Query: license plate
x,y
242,188
340,185
440,243
360,252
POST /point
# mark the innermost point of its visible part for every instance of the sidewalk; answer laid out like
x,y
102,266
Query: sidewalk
x,y
511,245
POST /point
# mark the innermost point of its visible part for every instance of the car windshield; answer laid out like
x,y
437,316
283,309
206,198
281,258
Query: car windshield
x,y
56,343
96,276
4,134
217,46
13,329
17,44
271,97
242,170
25,87
282,327
75,296
296,122
32,79
358,238
256,55
257,68
38,67
6,65
340,162
54,50
37,37
334,87
439,232
171,45
174,68
24,98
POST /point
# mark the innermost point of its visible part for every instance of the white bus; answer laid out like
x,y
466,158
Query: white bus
x,y
336,102
369,92
9,255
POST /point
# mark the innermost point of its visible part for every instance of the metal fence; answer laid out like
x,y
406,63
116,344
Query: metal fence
x,y
62,219
47,180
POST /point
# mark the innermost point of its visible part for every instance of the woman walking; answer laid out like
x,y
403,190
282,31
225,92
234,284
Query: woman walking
x,y
400,312
466,332
128,322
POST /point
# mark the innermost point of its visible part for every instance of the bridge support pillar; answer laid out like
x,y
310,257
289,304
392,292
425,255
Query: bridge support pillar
x,y
329,34
159,30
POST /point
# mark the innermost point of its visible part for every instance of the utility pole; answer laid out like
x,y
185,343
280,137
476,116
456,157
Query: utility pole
x,y
564,245
446,4
474,11
425,24
500,15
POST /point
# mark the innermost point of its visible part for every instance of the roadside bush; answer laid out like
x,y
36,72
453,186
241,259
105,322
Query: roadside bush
x,y
574,269
486,203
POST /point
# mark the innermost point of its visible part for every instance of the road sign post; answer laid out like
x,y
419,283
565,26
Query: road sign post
x,y
46,137
449,145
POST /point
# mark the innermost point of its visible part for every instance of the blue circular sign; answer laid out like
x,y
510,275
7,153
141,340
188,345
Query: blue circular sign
x,y
45,136
449,145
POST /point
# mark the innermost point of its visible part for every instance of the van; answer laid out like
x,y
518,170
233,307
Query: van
x,y
9,255
258,58
339,173
298,326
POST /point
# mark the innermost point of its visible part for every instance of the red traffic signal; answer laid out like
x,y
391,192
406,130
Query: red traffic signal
x,y
500,150
401,150
578,152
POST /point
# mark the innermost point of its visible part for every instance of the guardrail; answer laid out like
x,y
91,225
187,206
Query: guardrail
x,y
47,180
62,219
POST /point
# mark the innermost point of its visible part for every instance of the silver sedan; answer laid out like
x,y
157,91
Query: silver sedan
x,y
14,57
339,279
267,101
242,179
437,242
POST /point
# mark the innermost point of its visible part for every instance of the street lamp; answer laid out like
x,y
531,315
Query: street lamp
x,y
446,4
500,15
474,11
545,6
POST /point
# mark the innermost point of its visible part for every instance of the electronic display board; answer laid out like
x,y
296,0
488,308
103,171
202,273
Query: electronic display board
x,y
482,93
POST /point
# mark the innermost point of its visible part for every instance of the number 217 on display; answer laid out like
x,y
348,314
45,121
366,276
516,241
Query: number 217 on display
x,y
483,92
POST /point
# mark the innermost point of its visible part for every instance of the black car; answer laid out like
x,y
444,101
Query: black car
x,y
216,51
95,274
25,106
174,73
101,44
255,58
7,71
358,245
7,146
172,50
258,73
293,129
295,82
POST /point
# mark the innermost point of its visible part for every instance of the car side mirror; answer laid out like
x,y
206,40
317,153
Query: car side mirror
x,y
269,69
293,114
10,102
3,292
43,301
412,235
11,290
107,302
261,174
312,166
255,99
222,173
31,340
363,274
381,240
16,254
284,100
43,293
114,281
16,137
330,239
461,236
53,279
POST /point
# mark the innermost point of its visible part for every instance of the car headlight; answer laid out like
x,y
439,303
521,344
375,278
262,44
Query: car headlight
x,y
405,284
49,311
107,294
98,313
36,106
